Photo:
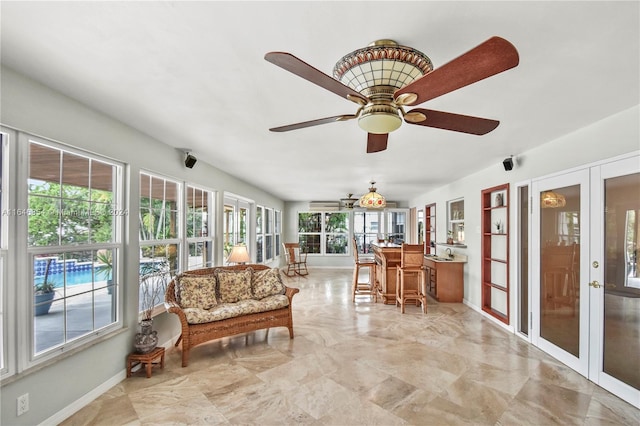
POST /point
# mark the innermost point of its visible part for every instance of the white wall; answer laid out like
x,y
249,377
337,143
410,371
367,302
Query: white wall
x,y
605,139
34,108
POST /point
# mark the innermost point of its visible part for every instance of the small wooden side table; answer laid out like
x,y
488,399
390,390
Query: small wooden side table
x,y
146,360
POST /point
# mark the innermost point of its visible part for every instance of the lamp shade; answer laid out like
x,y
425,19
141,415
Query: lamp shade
x,y
382,63
239,254
372,200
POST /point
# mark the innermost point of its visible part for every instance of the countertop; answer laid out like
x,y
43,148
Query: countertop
x,y
443,259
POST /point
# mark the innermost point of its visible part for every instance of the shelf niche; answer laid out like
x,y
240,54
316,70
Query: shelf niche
x,y
430,228
495,251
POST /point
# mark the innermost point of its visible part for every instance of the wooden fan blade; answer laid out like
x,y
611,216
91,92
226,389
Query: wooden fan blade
x,y
300,68
450,121
489,58
311,123
377,142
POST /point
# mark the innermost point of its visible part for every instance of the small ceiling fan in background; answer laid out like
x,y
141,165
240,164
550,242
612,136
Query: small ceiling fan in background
x,y
385,77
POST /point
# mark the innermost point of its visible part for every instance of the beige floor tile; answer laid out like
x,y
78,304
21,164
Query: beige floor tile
x,y
362,363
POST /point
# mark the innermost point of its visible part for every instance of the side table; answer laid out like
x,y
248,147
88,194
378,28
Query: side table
x,y
147,360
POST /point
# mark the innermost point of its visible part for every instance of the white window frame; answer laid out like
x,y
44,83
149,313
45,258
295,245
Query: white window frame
x,y
178,240
268,226
7,275
384,225
26,338
238,204
277,233
260,235
323,234
455,222
207,240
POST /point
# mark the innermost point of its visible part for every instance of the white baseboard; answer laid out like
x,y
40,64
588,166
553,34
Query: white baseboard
x,y
509,328
92,395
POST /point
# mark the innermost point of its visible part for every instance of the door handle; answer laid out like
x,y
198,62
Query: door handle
x,y
595,284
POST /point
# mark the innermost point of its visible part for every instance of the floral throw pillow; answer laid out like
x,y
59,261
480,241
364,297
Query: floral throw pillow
x,y
197,291
234,285
267,283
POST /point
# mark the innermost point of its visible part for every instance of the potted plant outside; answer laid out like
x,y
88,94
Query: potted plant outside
x,y
44,293
105,258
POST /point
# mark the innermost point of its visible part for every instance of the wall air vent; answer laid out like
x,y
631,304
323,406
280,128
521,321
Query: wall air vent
x,y
324,206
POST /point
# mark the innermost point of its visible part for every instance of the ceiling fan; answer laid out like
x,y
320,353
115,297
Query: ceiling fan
x,y
384,77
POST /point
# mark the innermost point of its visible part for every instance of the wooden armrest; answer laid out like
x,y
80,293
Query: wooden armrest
x,y
290,291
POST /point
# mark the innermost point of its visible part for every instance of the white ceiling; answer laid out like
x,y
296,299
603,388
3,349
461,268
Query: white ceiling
x,y
193,75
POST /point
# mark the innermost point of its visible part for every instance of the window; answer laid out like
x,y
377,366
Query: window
x,y
455,217
396,226
259,234
268,234
324,232
336,233
4,144
310,232
160,231
236,218
370,226
199,238
366,225
278,231
74,223
420,221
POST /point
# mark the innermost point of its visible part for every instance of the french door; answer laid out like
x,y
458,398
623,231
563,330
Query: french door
x,y
586,295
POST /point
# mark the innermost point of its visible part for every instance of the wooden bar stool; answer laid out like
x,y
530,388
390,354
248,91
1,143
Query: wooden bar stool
x,y
411,261
358,287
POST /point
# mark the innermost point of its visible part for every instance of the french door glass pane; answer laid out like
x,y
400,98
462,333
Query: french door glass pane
x,y
622,280
559,267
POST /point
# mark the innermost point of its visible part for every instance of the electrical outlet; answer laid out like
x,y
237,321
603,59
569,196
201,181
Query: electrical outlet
x,y
23,404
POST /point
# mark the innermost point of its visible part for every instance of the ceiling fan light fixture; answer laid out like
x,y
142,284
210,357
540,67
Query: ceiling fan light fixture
x,y
552,200
349,202
379,122
383,62
372,200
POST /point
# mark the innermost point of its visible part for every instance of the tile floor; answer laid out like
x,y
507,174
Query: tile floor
x,y
362,364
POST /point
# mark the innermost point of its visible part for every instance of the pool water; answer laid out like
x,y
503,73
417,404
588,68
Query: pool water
x,y
73,278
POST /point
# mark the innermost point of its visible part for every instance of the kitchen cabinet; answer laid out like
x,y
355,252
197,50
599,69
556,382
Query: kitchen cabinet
x,y
444,279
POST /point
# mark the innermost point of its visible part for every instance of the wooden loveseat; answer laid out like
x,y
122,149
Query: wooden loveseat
x,y
218,302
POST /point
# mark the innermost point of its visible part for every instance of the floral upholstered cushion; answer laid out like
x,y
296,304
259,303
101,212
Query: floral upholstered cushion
x,y
232,310
197,291
266,282
234,286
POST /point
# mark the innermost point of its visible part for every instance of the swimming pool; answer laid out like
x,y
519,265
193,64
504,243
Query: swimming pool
x,y
73,278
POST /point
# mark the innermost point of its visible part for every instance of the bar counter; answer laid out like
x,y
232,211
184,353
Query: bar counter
x,y
387,257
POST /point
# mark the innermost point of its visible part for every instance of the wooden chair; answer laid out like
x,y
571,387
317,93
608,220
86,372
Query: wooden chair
x,y
296,260
560,269
411,263
358,287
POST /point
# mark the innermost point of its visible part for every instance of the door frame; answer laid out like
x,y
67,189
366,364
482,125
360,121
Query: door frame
x,y
577,177
614,168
